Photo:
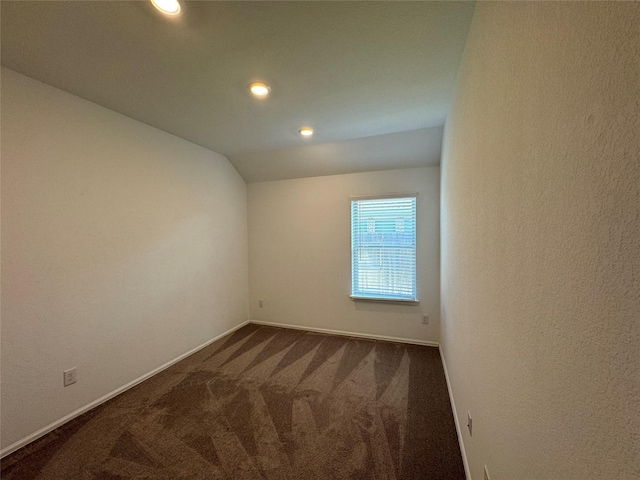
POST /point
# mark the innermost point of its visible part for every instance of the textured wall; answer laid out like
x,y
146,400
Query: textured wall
x,y
300,253
123,247
541,241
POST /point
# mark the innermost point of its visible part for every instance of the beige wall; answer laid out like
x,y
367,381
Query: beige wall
x,y
541,241
300,253
123,247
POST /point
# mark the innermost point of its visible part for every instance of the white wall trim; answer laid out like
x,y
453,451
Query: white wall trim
x,y
455,418
348,334
52,426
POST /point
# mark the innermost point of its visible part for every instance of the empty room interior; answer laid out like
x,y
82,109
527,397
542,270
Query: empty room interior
x,y
320,240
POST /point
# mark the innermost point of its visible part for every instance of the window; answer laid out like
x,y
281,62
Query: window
x,y
383,248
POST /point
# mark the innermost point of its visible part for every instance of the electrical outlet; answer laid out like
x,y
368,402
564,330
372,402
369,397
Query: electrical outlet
x,y
425,319
470,424
486,473
261,303
70,376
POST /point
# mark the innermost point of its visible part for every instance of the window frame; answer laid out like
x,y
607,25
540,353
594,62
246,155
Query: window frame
x,y
396,300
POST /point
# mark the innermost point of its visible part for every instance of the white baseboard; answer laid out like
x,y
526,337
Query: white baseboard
x,y
348,334
43,431
455,418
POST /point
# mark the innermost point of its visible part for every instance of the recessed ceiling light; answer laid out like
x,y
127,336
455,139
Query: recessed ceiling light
x,y
306,131
168,7
259,89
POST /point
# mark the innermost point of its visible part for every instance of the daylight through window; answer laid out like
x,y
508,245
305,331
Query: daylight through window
x,y
383,248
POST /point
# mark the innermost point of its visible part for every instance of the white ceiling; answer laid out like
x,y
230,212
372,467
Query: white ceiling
x,y
374,79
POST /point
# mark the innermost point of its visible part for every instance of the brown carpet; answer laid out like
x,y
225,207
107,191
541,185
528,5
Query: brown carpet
x,y
266,403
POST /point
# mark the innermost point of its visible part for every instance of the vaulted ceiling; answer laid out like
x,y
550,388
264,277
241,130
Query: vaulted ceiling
x,y
374,79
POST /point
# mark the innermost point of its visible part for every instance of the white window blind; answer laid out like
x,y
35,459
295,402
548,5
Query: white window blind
x,y
383,248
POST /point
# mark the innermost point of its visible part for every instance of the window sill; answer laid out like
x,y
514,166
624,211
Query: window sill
x,y
398,301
